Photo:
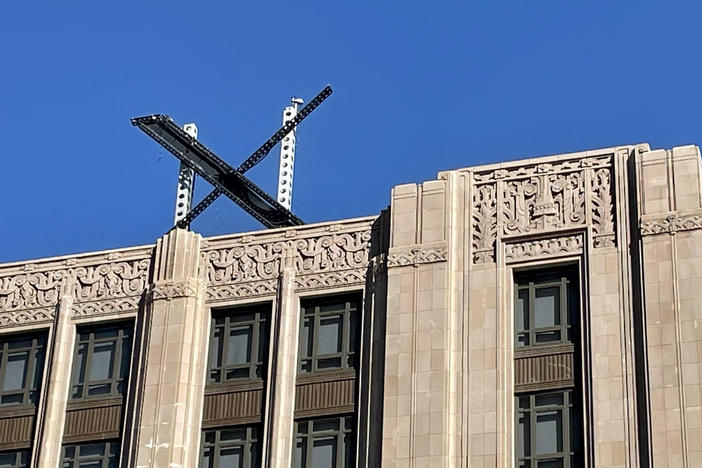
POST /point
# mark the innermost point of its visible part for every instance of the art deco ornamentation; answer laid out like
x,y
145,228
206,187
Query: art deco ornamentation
x,y
337,256
173,289
332,252
340,258
671,224
34,290
417,256
542,198
107,283
542,248
244,270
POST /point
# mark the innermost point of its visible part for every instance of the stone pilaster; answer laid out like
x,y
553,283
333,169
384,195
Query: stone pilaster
x,y
284,373
423,346
59,382
670,212
174,356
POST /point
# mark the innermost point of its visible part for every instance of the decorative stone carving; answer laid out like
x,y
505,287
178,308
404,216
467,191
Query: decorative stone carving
x,y
541,248
602,209
34,290
484,224
340,258
541,198
330,279
19,317
671,224
100,283
246,269
173,289
417,256
334,255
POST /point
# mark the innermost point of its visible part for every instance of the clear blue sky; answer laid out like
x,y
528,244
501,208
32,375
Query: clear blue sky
x,y
418,87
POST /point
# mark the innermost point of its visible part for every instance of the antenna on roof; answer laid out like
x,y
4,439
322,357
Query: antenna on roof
x,y
225,179
287,156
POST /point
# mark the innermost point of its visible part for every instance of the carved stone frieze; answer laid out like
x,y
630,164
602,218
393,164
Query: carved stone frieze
x,y
540,198
331,279
173,289
671,224
107,282
332,252
24,291
235,291
417,256
543,248
335,255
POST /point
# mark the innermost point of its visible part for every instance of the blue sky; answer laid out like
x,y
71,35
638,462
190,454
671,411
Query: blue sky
x,y
418,87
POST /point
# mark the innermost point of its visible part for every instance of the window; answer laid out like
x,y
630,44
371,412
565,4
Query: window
x,y
234,447
238,344
324,443
14,459
91,455
101,361
329,334
545,309
21,368
548,430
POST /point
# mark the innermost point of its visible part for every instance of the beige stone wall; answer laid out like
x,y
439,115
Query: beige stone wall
x,y
671,246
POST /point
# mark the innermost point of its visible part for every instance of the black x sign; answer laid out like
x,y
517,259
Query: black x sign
x,y
227,180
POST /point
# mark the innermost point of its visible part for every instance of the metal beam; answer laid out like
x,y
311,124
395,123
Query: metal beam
x,y
216,171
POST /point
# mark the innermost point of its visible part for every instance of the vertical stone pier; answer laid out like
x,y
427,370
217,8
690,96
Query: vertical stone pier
x,y
174,355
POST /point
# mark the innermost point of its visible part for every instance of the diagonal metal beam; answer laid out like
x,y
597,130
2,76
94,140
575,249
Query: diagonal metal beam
x,y
261,153
216,171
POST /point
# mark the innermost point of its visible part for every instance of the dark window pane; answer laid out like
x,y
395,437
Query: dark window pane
x,y
549,399
549,432
326,425
306,338
102,361
331,363
7,459
231,458
239,346
549,336
15,372
522,310
546,307
234,434
522,340
215,349
523,436
300,454
92,449
324,453
551,463
329,335
79,364
12,399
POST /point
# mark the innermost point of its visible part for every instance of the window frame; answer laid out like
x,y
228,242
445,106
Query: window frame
x,y
125,333
569,452
311,310
306,438
33,372
565,280
260,340
75,460
18,463
251,439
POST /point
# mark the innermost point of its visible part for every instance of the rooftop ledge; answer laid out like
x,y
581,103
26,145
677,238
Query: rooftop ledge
x,y
144,251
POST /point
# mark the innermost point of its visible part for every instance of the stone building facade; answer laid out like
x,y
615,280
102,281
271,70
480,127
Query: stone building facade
x,y
535,313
